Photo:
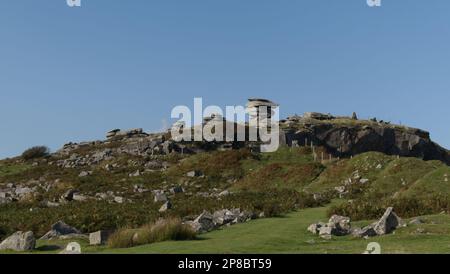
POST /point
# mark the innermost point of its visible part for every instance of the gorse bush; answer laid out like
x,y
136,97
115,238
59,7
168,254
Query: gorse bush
x,y
171,229
35,152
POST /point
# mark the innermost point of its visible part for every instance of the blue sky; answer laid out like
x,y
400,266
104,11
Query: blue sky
x,y
71,74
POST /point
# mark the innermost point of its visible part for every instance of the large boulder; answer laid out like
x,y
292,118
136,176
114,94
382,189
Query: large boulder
x,y
388,223
19,241
72,249
62,230
99,237
165,207
340,225
225,216
203,223
336,226
385,225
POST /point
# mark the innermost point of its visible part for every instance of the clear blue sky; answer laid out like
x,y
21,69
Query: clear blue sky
x,y
71,74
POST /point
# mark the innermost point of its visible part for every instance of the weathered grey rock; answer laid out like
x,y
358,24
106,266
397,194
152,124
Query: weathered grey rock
x,y
79,197
203,223
225,216
166,206
68,196
60,229
23,190
99,238
350,139
336,226
317,116
325,232
119,200
19,241
176,190
194,173
52,204
160,197
367,231
388,223
364,181
72,249
224,193
85,174
315,228
340,225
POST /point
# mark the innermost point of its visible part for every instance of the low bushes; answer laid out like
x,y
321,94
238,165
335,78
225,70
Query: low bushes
x,y
171,229
407,207
35,152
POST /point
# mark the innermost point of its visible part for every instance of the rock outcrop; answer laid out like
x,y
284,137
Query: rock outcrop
x,y
344,137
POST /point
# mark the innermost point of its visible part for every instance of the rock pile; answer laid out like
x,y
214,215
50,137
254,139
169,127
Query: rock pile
x,y
206,221
13,193
340,226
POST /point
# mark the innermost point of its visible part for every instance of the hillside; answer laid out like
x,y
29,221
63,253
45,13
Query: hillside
x,y
134,178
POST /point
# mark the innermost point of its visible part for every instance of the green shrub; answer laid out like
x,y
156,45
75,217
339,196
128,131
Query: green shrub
x,y
35,152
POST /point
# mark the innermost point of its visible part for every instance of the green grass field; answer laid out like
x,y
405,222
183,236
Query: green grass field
x,y
288,235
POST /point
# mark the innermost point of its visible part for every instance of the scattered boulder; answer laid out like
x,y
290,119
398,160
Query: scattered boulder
x,y
194,173
224,193
19,241
176,190
79,197
166,206
340,225
336,226
72,248
160,197
315,228
62,230
68,196
119,200
225,216
203,223
99,238
365,232
388,222
85,174
386,225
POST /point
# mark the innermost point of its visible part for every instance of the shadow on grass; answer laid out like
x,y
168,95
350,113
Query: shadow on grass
x,y
49,248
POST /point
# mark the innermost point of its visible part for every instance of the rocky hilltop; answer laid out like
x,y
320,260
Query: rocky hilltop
x,y
342,137
133,178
